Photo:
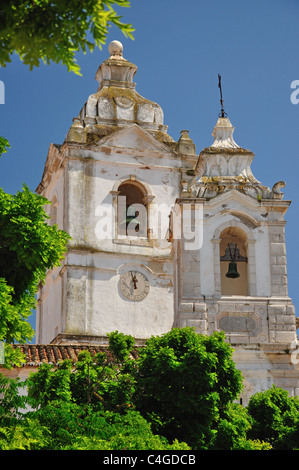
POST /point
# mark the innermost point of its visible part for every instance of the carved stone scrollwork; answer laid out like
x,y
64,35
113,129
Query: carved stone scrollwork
x,y
224,166
276,190
212,187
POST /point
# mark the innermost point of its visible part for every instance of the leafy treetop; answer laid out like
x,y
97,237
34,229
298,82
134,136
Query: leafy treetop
x,y
50,30
29,246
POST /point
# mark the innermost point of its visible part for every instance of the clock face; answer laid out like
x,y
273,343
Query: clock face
x,y
134,285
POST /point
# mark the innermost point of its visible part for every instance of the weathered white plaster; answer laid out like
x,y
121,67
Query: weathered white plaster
x,y
120,137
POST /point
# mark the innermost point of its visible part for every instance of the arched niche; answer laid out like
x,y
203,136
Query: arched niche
x,y
132,209
233,261
131,200
234,232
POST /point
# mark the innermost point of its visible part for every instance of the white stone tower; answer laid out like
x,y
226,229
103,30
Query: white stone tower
x,y
236,279
116,166
163,238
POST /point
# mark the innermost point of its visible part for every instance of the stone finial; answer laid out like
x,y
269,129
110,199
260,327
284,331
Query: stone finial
x,y
223,134
185,143
116,50
116,70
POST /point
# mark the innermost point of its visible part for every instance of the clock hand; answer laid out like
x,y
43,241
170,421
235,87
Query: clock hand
x,y
134,279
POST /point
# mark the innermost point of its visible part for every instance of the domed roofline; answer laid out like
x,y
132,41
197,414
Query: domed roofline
x,y
116,103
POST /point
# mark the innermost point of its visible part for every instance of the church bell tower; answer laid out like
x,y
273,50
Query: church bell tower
x,y
112,185
164,238
234,277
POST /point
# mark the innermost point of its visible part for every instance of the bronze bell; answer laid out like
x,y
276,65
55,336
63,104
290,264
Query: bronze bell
x,y
232,272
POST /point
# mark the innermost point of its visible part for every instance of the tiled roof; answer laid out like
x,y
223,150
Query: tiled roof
x,y
55,353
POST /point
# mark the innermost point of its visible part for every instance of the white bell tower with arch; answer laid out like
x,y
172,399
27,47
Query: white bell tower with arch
x,y
236,281
113,183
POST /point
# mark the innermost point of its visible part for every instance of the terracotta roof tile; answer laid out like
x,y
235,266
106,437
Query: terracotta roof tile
x,y
53,353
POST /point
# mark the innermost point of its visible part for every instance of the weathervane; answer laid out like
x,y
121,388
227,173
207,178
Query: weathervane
x,y
222,113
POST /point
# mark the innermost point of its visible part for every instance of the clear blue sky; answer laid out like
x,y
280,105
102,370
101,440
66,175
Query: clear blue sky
x,y
179,48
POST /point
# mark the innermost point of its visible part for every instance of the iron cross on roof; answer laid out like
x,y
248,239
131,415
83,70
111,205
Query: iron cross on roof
x,y
222,113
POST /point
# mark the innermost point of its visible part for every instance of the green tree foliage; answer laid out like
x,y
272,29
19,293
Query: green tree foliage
x,y
183,379
25,435
275,418
29,246
233,428
52,31
17,431
121,345
73,427
86,407
12,401
103,402
4,145
98,381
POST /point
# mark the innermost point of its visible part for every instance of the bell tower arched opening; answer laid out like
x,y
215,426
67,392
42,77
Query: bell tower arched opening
x,y
233,262
132,209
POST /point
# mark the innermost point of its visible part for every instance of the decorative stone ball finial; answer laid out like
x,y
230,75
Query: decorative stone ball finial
x,y
116,50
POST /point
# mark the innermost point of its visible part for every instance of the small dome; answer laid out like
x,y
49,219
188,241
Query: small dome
x,y
117,103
